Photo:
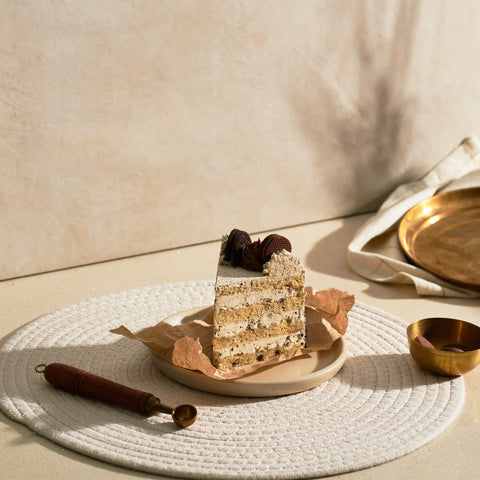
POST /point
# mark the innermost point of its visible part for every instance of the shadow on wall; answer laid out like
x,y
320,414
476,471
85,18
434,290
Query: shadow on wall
x,y
368,124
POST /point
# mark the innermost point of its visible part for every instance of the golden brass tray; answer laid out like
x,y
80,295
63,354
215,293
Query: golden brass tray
x,y
442,235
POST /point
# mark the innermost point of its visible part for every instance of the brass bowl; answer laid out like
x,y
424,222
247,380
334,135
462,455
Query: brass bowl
x,y
440,332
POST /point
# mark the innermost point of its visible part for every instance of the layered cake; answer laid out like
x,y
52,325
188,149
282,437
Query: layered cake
x,y
259,309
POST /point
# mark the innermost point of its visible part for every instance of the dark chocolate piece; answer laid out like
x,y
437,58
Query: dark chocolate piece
x,y
252,257
237,240
274,243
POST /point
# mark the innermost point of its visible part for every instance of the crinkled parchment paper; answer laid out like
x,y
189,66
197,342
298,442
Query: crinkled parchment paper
x,y
189,345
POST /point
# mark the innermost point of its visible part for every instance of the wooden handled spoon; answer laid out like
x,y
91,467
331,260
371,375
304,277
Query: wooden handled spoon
x,y
75,380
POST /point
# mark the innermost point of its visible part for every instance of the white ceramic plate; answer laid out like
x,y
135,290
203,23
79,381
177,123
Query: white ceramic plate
x,y
292,376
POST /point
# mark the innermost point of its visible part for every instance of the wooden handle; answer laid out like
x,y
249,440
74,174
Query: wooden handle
x,y
74,380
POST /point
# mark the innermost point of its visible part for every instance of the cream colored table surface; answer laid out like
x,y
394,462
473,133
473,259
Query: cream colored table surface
x,y
322,246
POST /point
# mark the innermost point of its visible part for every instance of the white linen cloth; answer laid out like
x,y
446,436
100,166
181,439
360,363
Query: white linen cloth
x,y
374,252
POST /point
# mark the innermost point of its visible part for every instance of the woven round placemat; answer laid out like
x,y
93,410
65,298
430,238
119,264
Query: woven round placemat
x,y
379,407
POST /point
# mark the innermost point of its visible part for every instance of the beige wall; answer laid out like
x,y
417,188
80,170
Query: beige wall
x,y
133,126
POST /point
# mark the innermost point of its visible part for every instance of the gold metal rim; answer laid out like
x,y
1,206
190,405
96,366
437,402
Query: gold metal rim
x,y
441,235
40,368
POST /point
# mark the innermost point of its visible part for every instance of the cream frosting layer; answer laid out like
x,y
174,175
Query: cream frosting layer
x,y
267,320
252,297
265,343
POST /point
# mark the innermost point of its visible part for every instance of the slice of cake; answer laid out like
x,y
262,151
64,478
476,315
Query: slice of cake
x,y
259,309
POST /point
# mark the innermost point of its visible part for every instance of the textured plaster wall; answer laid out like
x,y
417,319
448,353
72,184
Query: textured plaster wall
x,y
133,126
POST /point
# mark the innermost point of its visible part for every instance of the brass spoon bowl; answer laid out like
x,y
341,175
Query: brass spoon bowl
x,y
183,415
440,332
